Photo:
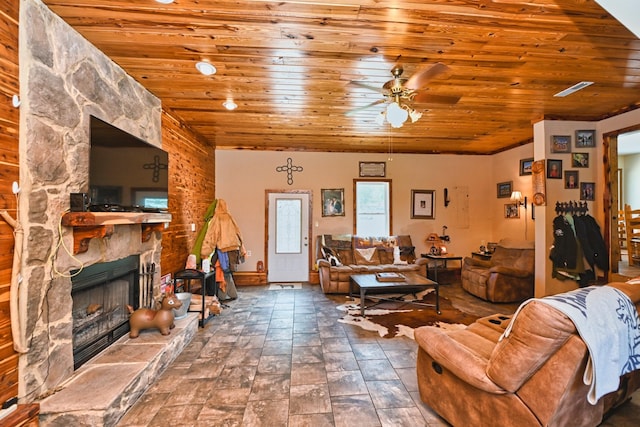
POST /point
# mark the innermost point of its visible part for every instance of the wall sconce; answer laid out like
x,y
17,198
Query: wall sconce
x,y
516,197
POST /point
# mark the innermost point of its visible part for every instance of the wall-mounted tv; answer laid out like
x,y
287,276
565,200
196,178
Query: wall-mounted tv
x,y
125,172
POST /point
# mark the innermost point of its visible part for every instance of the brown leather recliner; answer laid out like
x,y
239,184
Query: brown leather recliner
x,y
533,377
507,277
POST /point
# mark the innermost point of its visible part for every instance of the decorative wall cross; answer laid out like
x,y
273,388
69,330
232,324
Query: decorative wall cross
x,y
289,169
156,166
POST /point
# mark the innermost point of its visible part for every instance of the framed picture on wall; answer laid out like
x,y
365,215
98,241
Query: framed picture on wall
x,y
585,138
422,204
571,179
561,144
504,189
511,210
554,169
525,166
580,160
587,190
332,202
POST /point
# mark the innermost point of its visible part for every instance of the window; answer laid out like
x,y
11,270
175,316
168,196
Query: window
x,y
372,207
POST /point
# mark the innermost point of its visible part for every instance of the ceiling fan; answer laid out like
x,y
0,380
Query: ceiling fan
x,y
402,93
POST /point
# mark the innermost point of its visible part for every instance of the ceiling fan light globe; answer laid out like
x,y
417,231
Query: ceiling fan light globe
x,y
396,115
415,115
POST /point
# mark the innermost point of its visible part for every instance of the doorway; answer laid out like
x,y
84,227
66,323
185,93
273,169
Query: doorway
x,y
614,200
288,231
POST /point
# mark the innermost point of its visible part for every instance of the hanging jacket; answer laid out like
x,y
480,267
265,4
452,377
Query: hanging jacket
x,y
223,233
565,246
593,245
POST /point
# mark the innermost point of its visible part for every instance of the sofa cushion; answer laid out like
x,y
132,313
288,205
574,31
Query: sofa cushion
x,y
385,255
538,331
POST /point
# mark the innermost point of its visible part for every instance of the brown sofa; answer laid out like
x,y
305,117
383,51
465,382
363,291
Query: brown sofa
x,y
533,377
507,277
340,256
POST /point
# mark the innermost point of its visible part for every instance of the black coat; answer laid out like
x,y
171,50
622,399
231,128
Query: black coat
x,y
592,242
565,246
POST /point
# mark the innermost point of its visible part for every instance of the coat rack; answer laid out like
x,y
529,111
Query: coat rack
x,y
571,207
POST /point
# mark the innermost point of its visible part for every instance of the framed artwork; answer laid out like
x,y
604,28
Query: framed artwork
x,y
587,190
505,189
554,169
571,179
525,166
580,160
561,144
332,202
585,138
422,204
373,169
511,210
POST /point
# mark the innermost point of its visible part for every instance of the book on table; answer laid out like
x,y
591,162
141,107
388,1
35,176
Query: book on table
x,y
390,277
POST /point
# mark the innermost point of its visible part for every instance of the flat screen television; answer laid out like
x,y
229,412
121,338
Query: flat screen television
x,y
125,173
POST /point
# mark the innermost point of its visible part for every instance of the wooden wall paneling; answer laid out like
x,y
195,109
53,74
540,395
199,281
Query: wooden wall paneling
x,y
191,189
9,172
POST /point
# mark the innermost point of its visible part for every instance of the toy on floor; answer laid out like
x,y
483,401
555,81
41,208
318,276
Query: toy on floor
x,y
146,318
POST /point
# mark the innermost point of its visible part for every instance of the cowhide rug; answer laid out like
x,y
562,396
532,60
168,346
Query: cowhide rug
x,y
397,318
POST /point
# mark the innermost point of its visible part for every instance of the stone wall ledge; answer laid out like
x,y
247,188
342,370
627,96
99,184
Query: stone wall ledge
x,y
101,391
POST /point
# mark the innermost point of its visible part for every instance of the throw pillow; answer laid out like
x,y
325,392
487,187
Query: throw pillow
x,y
329,255
396,256
407,253
367,256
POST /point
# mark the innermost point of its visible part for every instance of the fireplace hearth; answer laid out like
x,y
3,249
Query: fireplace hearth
x,y
100,294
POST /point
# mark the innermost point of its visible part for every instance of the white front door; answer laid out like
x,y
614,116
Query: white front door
x,y
288,239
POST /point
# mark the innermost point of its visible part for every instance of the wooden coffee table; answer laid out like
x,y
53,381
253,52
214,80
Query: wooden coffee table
x,y
412,284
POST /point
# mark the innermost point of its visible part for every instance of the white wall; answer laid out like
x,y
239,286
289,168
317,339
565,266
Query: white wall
x,y
631,179
474,214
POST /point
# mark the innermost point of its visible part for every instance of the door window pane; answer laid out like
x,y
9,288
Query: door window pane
x,y
288,226
373,212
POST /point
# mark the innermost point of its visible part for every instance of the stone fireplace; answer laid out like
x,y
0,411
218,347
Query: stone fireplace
x,y
100,295
64,80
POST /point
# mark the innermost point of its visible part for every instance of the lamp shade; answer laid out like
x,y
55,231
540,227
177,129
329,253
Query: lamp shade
x,y
516,196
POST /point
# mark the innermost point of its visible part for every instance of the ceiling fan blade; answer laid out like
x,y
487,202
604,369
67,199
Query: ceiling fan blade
x,y
373,104
421,77
366,86
427,98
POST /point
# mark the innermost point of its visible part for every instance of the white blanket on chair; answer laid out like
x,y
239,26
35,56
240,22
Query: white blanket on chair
x,y
608,323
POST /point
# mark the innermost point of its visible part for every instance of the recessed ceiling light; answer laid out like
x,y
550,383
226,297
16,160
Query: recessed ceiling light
x,y
230,105
206,68
165,1
576,87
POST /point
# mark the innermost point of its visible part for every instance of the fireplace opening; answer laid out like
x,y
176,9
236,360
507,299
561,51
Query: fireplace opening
x,y
100,294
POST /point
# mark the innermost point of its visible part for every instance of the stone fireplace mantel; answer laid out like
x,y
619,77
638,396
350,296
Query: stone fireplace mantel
x,y
89,225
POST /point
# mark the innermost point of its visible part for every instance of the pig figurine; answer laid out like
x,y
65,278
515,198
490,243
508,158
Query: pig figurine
x,y
146,318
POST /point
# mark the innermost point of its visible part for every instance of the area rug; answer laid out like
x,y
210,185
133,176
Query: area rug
x,y
284,286
398,318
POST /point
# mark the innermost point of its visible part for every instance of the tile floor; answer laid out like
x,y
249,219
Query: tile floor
x,y
280,358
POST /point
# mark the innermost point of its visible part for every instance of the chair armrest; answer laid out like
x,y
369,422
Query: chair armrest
x,y
477,262
421,261
323,263
456,358
509,271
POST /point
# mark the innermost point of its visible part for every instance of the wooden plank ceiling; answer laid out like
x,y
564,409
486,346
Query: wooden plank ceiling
x,y
289,67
